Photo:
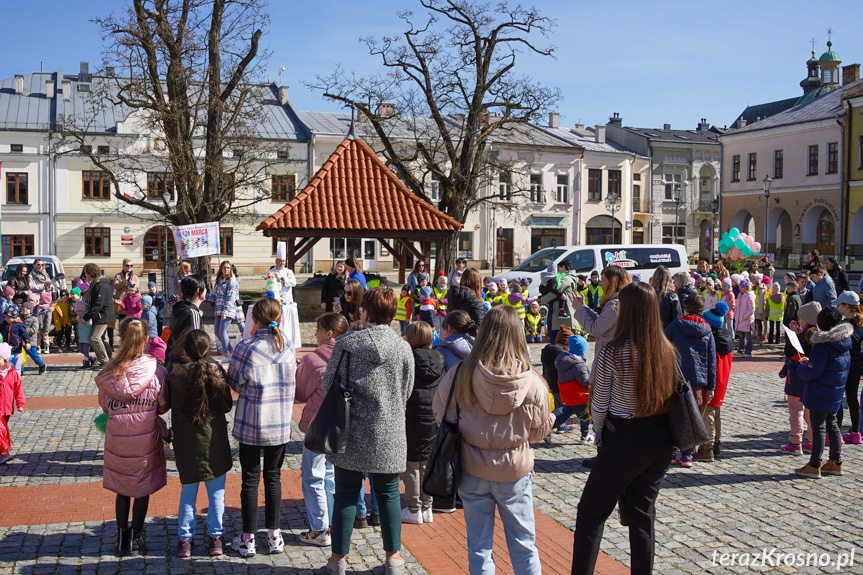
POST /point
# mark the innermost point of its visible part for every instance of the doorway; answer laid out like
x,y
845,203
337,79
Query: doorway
x,y
156,240
505,246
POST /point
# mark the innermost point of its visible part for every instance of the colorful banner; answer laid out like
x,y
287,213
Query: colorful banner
x,y
196,239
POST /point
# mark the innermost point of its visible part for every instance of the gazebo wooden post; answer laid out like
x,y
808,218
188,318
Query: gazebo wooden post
x,y
290,253
403,262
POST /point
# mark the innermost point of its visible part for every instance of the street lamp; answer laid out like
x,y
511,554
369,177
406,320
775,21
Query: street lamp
x,y
766,181
612,204
493,237
166,197
678,199
714,206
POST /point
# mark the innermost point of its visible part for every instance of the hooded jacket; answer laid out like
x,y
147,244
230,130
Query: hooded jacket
x,y
134,454
381,377
745,311
310,373
794,384
669,307
511,412
560,296
601,326
824,292
572,371
11,390
460,297
184,318
420,425
694,341
455,348
100,302
827,370
548,357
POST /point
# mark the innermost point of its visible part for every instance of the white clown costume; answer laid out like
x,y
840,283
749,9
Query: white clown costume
x,y
281,283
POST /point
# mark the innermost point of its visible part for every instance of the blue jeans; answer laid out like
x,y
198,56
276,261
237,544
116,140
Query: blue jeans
x,y
563,412
319,485
215,512
221,329
361,503
514,502
744,345
34,355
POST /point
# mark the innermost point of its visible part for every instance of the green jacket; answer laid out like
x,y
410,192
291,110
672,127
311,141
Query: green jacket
x,y
202,453
567,286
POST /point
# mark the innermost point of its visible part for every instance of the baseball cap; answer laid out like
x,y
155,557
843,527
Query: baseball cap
x,y
847,297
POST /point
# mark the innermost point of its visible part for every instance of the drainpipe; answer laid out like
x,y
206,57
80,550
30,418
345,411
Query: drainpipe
x,y
652,202
843,184
52,195
715,240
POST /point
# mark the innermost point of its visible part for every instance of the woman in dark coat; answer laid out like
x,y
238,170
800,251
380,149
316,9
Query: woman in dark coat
x,y
669,304
334,286
467,296
838,275
20,282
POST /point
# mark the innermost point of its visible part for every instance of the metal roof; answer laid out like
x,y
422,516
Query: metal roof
x,y
586,138
677,136
758,112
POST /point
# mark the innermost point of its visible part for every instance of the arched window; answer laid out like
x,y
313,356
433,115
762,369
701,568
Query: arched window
x,y
598,230
637,232
156,240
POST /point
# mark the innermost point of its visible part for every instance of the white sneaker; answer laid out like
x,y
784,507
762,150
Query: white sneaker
x,y
275,541
588,439
244,544
428,516
412,518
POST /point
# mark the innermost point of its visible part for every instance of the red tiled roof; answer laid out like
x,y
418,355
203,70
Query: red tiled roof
x,y
355,190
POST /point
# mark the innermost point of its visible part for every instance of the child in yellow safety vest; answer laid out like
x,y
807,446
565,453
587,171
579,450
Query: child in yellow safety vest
x,y
533,324
404,308
594,291
492,297
440,291
776,308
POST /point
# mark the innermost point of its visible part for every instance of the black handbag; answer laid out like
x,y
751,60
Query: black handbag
x,y
328,431
687,427
443,469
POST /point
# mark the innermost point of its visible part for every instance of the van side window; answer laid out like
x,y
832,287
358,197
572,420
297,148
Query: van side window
x,y
582,260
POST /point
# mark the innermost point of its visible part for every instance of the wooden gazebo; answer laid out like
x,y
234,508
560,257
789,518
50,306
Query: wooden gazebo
x,y
355,195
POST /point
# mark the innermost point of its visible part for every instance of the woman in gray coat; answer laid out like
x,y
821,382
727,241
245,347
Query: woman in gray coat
x,y
381,377
601,325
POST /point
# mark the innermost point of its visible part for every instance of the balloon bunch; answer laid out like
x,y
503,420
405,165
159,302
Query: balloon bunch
x,y
736,247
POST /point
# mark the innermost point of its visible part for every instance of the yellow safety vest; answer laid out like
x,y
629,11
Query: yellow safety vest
x,y
402,308
532,323
519,307
776,309
439,295
595,294
493,300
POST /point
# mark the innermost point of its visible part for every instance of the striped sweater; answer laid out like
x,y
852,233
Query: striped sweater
x,y
611,393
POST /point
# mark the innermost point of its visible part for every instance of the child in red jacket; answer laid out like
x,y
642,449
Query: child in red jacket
x,y
573,375
11,399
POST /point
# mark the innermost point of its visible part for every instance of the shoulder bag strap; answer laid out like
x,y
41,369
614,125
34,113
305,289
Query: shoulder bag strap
x,y
449,396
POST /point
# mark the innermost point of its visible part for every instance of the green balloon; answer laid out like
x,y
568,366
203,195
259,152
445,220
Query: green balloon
x,y
746,251
739,244
734,232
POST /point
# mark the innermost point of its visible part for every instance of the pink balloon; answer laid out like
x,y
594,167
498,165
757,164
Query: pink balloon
x,y
756,247
736,254
750,241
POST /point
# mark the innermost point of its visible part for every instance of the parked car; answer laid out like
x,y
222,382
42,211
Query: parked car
x,y
53,266
635,258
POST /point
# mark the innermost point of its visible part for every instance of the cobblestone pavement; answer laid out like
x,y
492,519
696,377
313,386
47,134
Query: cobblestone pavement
x,y
747,501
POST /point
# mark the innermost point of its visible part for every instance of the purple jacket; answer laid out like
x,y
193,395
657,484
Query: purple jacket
x,y
310,373
134,454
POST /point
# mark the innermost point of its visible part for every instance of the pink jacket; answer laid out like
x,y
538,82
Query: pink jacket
x,y
132,305
134,453
310,373
745,311
731,301
11,391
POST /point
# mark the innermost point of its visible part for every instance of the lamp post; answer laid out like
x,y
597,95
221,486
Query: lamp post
x,y
166,197
766,181
714,206
612,204
678,199
493,237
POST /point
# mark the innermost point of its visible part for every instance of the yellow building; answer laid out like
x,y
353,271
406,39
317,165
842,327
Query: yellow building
x,y
852,99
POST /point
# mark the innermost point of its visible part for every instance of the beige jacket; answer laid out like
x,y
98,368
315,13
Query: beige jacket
x,y
512,411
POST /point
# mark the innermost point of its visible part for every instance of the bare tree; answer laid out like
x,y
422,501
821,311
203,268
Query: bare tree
x,y
182,73
450,89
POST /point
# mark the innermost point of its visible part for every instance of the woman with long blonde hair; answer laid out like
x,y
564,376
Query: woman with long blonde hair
x,y
633,383
133,392
503,407
670,308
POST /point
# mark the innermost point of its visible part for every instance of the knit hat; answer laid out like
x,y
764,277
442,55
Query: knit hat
x,y
594,273
745,275
11,311
809,312
756,277
577,345
425,292
45,297
765,280
157,348
790,277
64,293
745,283
5,351
563,335
8,291
492,288
151,284
636,277
736,278
148,300
28,306
351,262
75,291
709,282
775,287
726,282
828,318
441,274
716,317
713,276
685,291
33,298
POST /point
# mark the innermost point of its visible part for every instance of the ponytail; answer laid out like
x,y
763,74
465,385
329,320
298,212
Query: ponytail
x,y
267,312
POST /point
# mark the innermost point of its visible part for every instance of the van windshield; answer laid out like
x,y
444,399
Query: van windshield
x,y
9,270
641,258
539,261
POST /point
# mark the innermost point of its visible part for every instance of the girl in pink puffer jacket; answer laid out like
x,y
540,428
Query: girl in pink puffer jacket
x,y
318,482
133,392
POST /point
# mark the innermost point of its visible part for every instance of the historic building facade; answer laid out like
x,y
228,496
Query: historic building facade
x,y
852,100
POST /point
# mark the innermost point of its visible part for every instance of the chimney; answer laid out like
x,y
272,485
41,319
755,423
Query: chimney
x,y
554,119
615,120
741,123
49,89
666,127
850,73
703,125
600,134
109,71
84,74
579,126
386,110
283,95
19,84
67,90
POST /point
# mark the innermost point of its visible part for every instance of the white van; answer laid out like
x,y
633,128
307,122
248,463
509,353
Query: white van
x,y
635,258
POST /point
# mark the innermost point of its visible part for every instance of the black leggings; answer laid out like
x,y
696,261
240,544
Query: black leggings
x,y
852,386
250,462
139,511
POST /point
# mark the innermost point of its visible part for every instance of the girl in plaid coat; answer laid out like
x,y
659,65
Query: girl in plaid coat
x,y
263,372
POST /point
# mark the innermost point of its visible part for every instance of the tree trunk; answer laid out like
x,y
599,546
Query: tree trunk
x,y
446,252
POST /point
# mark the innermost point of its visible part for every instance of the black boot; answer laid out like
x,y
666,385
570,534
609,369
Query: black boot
x,y
42,368
138,545
716,448
123,542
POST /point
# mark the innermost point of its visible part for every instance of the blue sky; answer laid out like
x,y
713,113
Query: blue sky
x,y
654,63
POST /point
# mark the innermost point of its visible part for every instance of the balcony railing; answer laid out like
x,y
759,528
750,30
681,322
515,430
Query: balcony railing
x,y
705,206
641,205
